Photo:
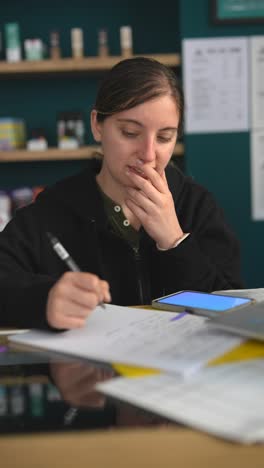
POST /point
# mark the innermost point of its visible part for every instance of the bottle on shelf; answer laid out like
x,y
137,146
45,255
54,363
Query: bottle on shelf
x,y
103,50
13,44
55,50
77,42
126,41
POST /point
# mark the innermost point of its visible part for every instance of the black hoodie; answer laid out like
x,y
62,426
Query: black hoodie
x,y
73,211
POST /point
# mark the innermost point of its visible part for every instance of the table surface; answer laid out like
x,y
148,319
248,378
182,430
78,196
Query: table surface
x,y
161,447
40,427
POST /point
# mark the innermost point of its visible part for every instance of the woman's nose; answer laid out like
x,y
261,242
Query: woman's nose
x,y
148,151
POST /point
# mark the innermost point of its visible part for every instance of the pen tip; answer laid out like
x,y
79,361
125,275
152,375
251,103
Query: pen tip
x,y
53,239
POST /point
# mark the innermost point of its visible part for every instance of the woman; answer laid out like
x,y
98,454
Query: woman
x,y
135,225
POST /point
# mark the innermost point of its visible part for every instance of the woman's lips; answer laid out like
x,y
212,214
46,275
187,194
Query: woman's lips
x,y
137,171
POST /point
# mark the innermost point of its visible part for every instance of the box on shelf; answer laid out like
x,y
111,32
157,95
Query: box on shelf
x,y
12,200
12,133
34,49
37,140
70,129
5,209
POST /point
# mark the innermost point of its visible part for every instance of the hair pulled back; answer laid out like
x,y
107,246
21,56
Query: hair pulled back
x,y
134,81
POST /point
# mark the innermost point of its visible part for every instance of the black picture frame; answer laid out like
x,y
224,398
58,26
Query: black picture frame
x,y
214,7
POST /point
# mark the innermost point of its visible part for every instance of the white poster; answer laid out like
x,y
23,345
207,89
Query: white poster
x,y
257,174
257,81
216,84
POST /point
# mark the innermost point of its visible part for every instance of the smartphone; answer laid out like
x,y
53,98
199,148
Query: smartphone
x,y
207,304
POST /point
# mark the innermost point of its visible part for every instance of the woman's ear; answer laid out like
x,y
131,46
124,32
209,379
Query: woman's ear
x,y
95,126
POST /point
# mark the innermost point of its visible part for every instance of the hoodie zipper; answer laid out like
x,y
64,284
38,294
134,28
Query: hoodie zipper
x,y
139,275
140,281
98,250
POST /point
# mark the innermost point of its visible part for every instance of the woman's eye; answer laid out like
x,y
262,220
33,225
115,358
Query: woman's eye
x,y
164,139
129,134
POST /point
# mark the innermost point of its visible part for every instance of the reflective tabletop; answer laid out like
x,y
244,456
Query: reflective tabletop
x,y
50,415
40,392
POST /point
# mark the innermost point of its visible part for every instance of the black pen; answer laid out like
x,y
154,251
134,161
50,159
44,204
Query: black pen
x,y
65,256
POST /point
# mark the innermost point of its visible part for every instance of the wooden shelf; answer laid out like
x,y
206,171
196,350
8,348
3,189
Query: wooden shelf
x,y
51,154
56,154
70,65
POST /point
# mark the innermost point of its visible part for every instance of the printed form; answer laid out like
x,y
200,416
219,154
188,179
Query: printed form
x,y
223,400
215,72
167,341
257,124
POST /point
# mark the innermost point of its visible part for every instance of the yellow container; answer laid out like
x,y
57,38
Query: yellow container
x,y
12,133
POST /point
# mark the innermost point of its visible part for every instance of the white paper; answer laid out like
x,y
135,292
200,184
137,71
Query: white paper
x,y
257,81
253,293
168,341
257,174
215,73
224,400
11,331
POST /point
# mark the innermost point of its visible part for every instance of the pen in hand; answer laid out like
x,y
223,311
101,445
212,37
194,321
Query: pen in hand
x,y
65,256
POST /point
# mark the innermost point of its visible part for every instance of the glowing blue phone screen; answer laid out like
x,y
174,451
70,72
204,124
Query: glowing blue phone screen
x,y
204,301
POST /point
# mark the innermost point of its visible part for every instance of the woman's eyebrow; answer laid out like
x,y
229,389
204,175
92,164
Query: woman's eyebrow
x,y
136,122
174,129
131,121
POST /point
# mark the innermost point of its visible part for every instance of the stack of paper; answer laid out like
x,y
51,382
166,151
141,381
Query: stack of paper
x,y
224,400
172,342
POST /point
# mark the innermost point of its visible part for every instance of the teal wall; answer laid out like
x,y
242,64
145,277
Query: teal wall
x,y
218,161
37,99
221,161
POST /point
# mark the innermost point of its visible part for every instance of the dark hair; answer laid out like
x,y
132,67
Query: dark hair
x,y
134,81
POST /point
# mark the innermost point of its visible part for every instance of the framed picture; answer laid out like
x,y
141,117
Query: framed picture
x,y
237,11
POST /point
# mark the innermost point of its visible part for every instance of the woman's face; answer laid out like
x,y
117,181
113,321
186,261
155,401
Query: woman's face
x,y
145,134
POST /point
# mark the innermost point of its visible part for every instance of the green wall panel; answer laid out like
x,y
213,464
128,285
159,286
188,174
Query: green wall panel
x,y
221,161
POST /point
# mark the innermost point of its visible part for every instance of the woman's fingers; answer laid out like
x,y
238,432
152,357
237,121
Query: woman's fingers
x,y
150,200
151,178
73,297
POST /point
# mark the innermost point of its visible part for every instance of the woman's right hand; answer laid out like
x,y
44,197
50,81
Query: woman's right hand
x,y
73,297
76,383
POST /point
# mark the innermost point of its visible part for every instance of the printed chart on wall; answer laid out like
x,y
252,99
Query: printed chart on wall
x,y
257,132
216,84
